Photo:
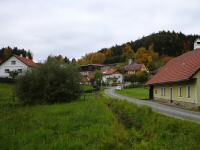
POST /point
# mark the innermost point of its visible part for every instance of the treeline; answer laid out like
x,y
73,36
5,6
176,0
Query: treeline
x,y
167,43
6,52
153,50
63,59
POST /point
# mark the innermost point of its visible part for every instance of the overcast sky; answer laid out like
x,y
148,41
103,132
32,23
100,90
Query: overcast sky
x,y
75,27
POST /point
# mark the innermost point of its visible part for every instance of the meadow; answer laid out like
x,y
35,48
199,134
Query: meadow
x,y
93,122
138,92
83,124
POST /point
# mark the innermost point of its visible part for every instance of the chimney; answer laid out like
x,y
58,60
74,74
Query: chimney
x,y
27,57
130,61
197,44
21,55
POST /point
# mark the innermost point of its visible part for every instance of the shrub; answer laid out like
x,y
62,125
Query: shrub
x,y
52,82
139,77
6,80
142,76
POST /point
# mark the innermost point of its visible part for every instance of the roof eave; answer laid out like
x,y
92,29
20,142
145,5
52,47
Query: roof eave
x,y
160,83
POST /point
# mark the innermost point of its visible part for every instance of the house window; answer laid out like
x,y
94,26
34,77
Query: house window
x,y
13,62
188,91
163,91
155,91
20,70
7,70
180,92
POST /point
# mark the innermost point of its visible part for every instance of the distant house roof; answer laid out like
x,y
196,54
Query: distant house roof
x,y
27,61
133,67
98,65
178,69
109,72
24,60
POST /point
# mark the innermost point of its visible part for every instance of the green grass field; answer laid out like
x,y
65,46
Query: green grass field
x,y
7,94
84,124
139,93
95,123
152,131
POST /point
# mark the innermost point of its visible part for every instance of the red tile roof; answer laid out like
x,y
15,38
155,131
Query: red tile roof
x,y
98,65
180,68
26,61
109,72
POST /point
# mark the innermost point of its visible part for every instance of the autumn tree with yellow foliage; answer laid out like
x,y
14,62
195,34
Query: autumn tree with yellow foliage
x,y
127,52
148,57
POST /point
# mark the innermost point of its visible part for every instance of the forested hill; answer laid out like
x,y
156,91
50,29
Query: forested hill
x,y
167,43
8,51
164,44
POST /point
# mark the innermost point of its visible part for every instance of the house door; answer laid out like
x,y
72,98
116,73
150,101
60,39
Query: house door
x,y
151,92
171,94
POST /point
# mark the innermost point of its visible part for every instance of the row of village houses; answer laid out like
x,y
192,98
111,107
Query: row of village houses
x,y
21,64
178,81
109,71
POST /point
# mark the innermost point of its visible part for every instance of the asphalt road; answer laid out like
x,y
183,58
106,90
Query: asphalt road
x,y
157,107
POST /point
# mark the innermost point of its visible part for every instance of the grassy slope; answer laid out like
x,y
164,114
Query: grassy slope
x,y
83,124
151,131
139,93
95,123
6,94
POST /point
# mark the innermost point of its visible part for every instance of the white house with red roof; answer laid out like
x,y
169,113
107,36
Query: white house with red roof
x,y
112,76
16,63
179,80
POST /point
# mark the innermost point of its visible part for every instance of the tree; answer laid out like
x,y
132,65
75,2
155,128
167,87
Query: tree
x,y
97,78
7,52
120,68
142,76
148,57
52,82
29,54
142,55
66,60
73,61
127,52
13,74
97,58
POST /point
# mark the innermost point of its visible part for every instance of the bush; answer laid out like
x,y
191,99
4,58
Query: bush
x,y
87,89
52,82
139,77
6,80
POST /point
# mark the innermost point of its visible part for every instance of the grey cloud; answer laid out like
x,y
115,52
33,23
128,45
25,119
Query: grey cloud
x,y
73,28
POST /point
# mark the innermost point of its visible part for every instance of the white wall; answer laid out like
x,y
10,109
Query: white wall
x,y
197,44
116,75
7,65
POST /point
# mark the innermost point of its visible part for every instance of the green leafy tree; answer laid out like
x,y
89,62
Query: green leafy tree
x,y
142,76
73,61
29,54
52,82
13,74
98,78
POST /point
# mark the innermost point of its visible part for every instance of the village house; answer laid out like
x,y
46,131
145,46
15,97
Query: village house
x,y
112,76
133,68
15,63
88,70
179,80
